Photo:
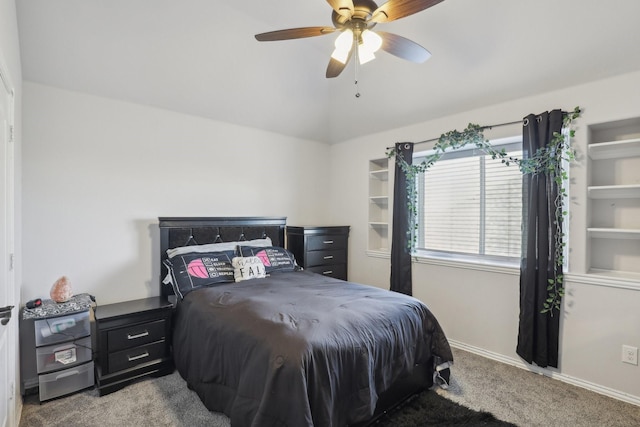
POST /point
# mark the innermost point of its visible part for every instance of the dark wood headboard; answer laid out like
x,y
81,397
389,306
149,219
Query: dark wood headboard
x,y
186,231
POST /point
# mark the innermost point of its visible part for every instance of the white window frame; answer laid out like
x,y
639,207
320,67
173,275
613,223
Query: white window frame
x,y
488,260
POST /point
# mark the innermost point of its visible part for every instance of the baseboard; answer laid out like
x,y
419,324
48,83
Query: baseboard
x,y
18,409
606,391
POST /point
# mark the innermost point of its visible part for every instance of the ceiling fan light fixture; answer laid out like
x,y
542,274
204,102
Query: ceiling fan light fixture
x,y
340,55
343,45
368,43
371,41
365,55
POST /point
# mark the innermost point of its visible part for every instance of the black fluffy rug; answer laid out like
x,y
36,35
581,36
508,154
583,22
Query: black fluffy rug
x,y
430,409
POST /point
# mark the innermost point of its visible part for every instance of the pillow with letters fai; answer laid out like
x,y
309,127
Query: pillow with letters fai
x,y
246,268
196,270
273,258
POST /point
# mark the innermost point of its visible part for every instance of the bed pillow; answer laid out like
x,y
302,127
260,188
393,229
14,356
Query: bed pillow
x,y
246,268
197,270
274,258
218,247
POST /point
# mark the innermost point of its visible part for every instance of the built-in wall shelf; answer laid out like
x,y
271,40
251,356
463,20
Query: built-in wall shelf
x,y
615,149
629,191
378,224
613,233
613,230
379,200
382,174
622,275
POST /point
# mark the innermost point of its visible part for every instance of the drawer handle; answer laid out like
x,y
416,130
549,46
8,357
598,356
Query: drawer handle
x,y
329,257
140,356
63,347
67,374
327,272
140,335
328,242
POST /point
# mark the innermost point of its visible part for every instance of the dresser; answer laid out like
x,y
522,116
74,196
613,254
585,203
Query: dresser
x,y
134,341
56,351
321,249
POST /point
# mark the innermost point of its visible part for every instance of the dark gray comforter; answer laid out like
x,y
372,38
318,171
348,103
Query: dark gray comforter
x,y
300,349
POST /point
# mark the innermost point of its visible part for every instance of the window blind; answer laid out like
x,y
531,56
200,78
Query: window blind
x,y
470,203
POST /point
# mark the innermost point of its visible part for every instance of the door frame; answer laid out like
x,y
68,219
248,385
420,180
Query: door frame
x,y
14,403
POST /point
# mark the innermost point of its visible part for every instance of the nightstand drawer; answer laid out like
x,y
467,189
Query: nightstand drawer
x,y
337,271
59,383
58,329
63,355
135,356
325,257
326,242
136,335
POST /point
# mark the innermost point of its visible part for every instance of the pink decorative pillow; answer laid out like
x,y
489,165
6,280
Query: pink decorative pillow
x,y
199,269
274,258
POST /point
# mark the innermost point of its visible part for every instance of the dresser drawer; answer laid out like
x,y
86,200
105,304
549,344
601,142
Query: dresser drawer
x,y
63,355
135,356
326,242
136,335
58,329
70,380
337,271
325,257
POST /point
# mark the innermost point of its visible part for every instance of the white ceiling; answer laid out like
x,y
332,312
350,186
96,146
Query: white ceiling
x,y
199,57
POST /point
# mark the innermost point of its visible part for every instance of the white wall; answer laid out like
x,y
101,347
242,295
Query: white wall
x,y
478,309
98,173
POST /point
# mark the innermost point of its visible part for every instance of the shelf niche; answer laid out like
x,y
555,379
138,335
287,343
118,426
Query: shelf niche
x,y
379,207
614,199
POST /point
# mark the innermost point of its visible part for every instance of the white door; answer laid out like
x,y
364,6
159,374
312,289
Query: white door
x,y
7,331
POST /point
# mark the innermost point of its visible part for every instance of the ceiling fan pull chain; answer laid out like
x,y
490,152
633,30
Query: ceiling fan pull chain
x,y
356,64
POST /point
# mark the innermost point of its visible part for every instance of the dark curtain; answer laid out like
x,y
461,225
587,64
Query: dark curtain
x,y
537,332
400,251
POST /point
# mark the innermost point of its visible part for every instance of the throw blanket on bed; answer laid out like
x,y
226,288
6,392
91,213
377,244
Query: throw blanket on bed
x,y
300,349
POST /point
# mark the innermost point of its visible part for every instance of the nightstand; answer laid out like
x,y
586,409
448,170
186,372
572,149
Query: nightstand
x,y
322,250
134,341
56,356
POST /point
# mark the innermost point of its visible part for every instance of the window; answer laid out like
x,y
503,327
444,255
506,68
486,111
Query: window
x,y
471,204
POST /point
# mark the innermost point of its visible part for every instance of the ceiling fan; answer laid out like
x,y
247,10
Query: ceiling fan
x,y
355,19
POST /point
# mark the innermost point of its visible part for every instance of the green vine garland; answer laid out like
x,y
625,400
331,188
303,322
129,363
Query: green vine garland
x,y
550,160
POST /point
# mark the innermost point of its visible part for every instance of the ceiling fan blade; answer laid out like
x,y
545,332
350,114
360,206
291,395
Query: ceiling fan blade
x,y
294,33
335,67
403,48
396,9
342,7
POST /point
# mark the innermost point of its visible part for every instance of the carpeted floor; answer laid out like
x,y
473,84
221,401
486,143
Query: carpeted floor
x,y
510,394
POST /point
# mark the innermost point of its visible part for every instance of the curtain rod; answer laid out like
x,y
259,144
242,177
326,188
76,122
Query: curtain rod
x,y
482,127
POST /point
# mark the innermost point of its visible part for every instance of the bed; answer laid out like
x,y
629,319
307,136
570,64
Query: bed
x,y
285,347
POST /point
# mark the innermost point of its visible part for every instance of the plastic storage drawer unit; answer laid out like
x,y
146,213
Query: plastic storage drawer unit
x,y
53,330
56,347
59,383
64,355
